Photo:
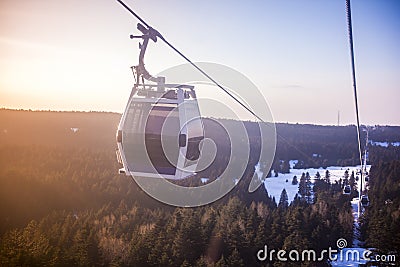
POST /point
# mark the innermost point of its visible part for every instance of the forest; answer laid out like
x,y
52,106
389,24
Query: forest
x,y
63,203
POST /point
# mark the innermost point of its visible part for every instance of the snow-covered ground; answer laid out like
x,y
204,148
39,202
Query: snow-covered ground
x,y
384,144
350,257
204,180
354,206
275,185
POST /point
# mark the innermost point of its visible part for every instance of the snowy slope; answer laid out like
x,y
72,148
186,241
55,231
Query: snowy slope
x,y
275,185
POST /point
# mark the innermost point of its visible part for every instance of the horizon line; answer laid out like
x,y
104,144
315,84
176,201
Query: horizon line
x,y
119,113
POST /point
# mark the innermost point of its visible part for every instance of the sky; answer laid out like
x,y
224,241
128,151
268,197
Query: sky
x,y
76,55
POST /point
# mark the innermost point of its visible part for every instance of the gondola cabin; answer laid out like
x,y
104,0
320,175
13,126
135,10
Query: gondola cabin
x,y
160,132
347,190
364,201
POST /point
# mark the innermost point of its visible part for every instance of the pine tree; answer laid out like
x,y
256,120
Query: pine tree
x,y
221,262
188,241
327,177
295,181
303,186
283,200
285,167
234,260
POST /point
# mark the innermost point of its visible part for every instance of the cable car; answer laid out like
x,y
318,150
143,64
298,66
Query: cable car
x,y
347,190
160,131
364,201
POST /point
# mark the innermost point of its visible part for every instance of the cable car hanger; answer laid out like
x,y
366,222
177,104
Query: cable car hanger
x,y
150,33
141,72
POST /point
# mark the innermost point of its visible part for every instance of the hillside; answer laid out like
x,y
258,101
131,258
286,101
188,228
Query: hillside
x,y
63,203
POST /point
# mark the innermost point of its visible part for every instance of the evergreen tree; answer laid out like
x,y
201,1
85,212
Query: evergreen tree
x,y
283,200
285,167
188,242
221,262
327,177
234,259
303,186
294,181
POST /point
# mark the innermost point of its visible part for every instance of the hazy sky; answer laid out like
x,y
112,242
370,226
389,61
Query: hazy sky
x,y
75,55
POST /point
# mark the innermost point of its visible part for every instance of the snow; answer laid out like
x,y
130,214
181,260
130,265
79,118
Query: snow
x,y
350,259
292,163
354,206
204,180
384,144
275,185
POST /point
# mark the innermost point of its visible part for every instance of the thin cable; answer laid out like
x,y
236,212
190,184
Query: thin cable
x,y
134,14
350,29
192,63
